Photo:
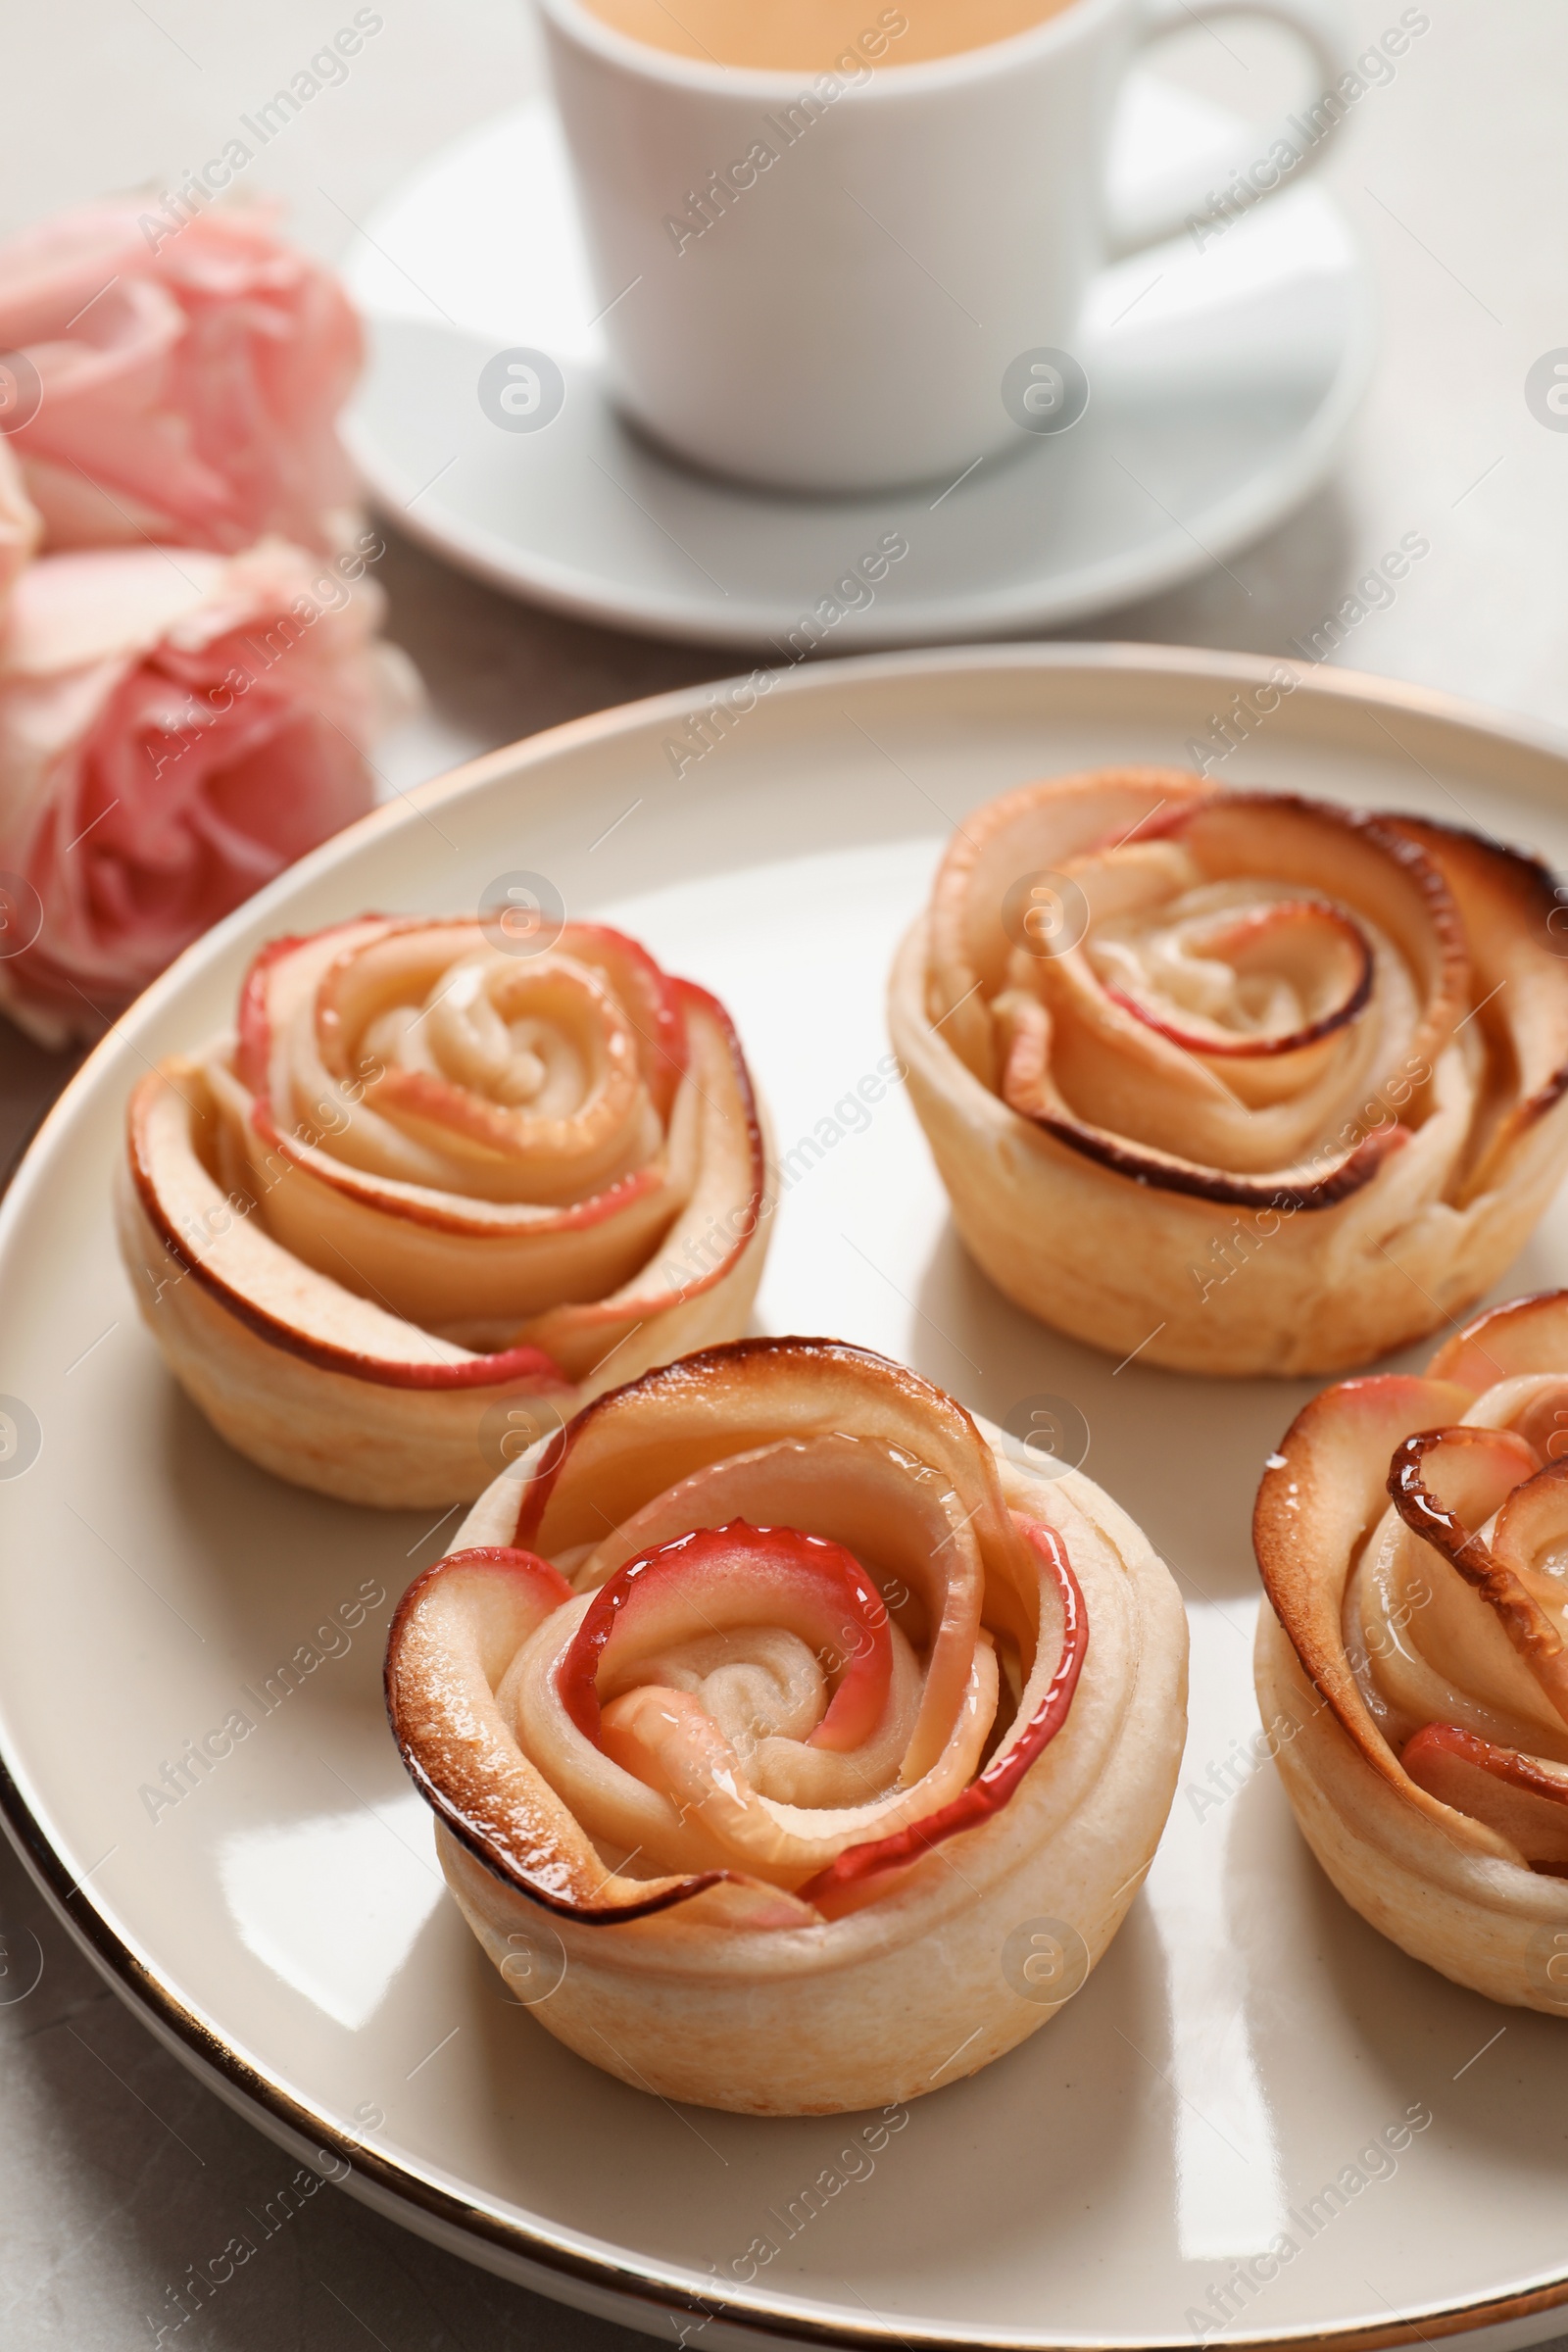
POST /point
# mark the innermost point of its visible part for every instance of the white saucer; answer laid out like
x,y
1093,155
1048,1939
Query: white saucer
x,y
1222,384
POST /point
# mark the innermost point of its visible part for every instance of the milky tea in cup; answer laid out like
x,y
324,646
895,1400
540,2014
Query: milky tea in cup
x,y
806,37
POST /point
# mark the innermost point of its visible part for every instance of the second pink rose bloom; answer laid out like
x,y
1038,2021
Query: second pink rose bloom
x,y
181,386
175,727
190,675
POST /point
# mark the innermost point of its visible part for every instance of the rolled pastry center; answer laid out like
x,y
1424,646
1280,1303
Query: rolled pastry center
x,y
747,1692
1236,971
1242,1020
475,1073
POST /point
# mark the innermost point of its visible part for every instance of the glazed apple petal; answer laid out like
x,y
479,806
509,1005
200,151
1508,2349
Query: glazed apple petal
x,y
1406,1681
1026,1034
469,1272
1336,987
1021,833
1524,1335
711,1579
1426,1647
1115,1069
198,1235
1534,1406
1320,1494
1530,1534
1255,981
668,1739
662,1779
1455,1611
714,1169
1512,918
897,1516
625,1452
455,1631
1447,1485
1522,1798
1041,1712
652,1002
277,993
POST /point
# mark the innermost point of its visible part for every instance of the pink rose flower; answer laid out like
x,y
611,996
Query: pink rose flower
x,y
177,385
175,727
20,525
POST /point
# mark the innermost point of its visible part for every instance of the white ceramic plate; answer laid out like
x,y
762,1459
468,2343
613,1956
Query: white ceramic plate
x,y
1221,385
282,1927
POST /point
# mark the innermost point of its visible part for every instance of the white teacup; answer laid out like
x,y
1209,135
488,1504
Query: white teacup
x,y
847,281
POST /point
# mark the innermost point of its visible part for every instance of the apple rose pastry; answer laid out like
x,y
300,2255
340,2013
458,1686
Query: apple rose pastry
x,y
1413,1539
792,1748
1242,1082
436,1194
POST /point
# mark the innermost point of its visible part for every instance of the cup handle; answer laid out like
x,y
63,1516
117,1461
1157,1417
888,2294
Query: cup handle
x,y
1318,26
